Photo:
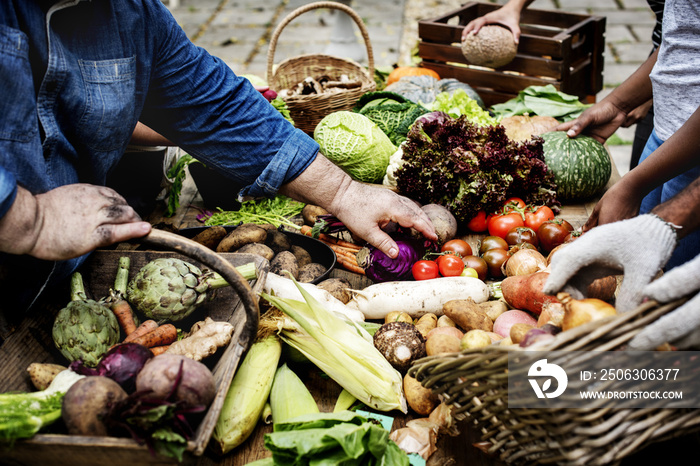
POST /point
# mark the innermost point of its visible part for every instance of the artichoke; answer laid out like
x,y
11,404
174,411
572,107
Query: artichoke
x,y
170,288
85,329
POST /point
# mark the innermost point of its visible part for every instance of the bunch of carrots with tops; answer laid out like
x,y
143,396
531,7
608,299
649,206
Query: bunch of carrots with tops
x,y
344,250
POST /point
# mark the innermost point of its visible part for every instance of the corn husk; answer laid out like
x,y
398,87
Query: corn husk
x,y
340,348
289,397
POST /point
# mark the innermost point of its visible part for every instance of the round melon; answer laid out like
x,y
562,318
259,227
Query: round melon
x,y
581,165
492,46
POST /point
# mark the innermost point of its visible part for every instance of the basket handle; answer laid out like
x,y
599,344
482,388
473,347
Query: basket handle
x,y
217,263
313,6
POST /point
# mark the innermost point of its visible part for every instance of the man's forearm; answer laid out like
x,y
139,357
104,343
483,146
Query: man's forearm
x,y
320,184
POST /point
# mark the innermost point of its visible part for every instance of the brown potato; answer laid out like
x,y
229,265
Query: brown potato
x,y
426,323
311,212
311,272
518,331
257,248
422,400
242,235
210,237
442,343
277,241
285,260
467,315
42,374
302,255
338,287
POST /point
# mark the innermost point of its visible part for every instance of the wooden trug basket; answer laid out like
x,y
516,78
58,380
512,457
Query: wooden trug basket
x,y
308,110
476,383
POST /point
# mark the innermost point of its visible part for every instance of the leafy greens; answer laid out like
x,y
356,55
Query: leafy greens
x,y
468,168
544,101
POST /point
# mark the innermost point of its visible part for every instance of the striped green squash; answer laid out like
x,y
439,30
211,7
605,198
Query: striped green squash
x,y
581,165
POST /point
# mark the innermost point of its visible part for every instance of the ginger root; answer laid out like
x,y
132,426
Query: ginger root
x,y
204,339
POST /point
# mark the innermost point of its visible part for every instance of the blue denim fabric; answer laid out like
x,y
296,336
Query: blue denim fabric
x,y
71,96
689,246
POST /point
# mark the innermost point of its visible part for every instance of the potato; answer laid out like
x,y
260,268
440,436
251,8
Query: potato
x,y
257,248
87,401
444,222
398,316
277,241
197,386
302,255
518,331
311,212
311,272
493,309
422,400
524,292
242,235
285,260
444,321
475,339
42,374
210,237
426,323
505,321
338,287
467,314
441,343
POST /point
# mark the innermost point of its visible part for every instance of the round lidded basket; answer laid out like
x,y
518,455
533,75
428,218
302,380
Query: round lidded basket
x,y
308,110
475,382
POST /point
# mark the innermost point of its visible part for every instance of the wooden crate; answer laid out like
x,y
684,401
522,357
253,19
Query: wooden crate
x,y
562,49
31,342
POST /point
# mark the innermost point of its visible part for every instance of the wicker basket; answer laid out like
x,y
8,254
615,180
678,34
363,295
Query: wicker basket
x,y
476,383
308,110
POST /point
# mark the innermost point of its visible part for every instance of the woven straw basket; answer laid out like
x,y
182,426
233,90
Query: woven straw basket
x,y
308,110
476,383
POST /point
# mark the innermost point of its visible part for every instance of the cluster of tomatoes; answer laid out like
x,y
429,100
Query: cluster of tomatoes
x,y
517,225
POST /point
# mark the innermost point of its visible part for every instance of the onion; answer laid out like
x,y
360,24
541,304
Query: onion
x,y
580,311
525,262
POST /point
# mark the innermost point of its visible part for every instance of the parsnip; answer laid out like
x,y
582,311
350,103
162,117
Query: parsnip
x,y
416,297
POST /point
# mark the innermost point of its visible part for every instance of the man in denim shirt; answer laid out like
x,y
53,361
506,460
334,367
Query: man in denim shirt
x,y
77,75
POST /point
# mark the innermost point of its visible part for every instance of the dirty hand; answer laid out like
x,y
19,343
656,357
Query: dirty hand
x,y
68,222
681,327
638,247
365,210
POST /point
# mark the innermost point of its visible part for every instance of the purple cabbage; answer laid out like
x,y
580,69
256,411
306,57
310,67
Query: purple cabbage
x,y
381,268
121,363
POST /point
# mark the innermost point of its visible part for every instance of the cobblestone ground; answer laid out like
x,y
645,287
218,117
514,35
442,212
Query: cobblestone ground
x,y
239,32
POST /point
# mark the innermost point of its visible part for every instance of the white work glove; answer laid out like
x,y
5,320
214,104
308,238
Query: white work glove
x,y
638,247
682,326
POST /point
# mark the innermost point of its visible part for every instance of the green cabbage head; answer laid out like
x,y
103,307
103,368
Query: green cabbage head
x,y
356,144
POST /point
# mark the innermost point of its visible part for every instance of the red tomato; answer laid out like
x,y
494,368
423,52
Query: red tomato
x,y
536,216
514,204
478,264
552,233
492,242
499,225
457,246
450,265
424,270
495,258
478,223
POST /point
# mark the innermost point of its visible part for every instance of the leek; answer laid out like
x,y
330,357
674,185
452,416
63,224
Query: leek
x,y
342,349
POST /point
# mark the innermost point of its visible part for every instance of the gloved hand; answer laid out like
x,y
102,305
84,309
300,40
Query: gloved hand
x,y
682,326
638,247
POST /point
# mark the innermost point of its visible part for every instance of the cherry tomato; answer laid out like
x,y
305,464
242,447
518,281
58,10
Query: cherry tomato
x,y
450,265
514,204
478,223
499,225
478,264
519,235
424,270
469,272
492,242
495,258
552,233
458,246
536,216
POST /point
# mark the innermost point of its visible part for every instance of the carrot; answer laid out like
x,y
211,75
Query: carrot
x,y
156,350
163,335
350,265
145,327
328,239
122,310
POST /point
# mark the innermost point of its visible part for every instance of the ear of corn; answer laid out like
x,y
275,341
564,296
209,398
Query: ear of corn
x,y
248,393
289,397
344,402
343,351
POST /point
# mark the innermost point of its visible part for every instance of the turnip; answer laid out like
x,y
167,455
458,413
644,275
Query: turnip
x,y
88,402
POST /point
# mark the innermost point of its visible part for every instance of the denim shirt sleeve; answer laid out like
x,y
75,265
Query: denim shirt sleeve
x,y
219,118
8,190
